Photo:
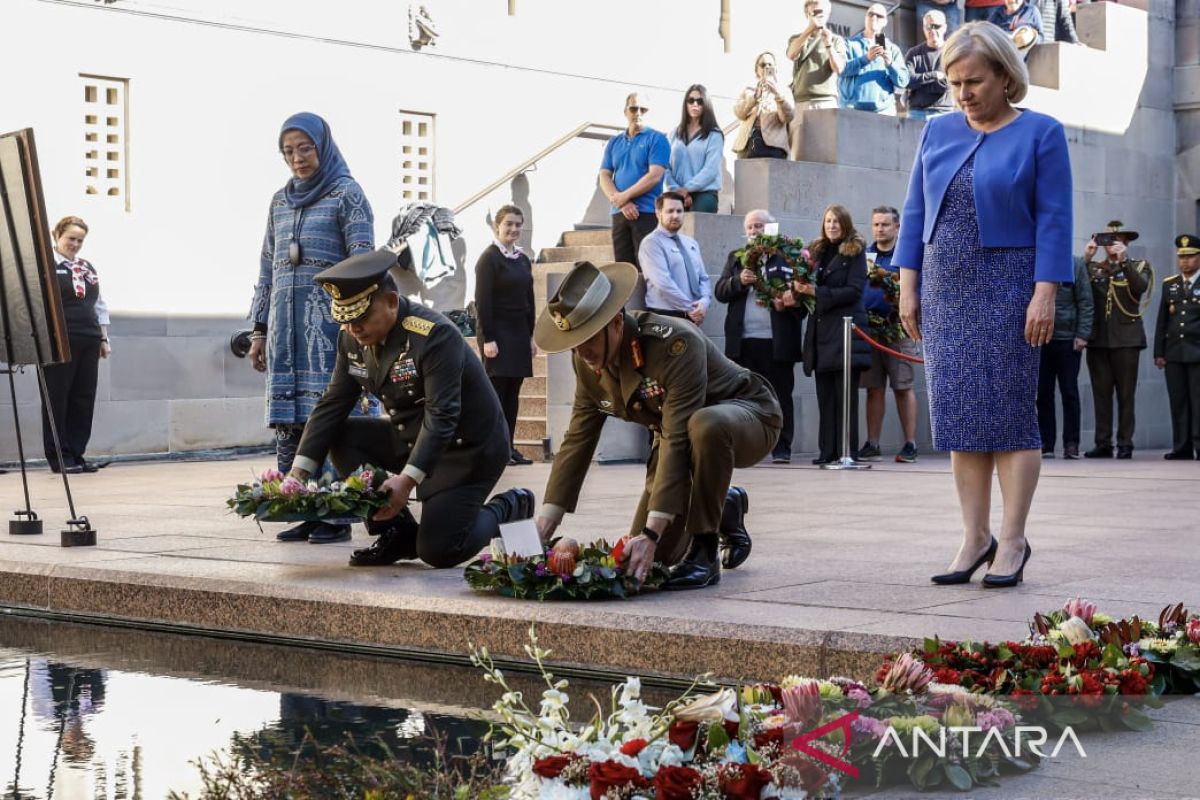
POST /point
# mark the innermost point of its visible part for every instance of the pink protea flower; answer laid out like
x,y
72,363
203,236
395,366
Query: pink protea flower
x,y
807,256
271,475
291,486
802,702
1078,607
1193,630
907,674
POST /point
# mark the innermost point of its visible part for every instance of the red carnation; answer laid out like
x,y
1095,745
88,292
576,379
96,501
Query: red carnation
x,y
633,747
611,775
683,734
743,781
676,783
552,766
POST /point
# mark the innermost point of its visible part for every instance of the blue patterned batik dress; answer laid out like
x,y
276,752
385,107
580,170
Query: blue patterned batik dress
x,y
301,333
981,373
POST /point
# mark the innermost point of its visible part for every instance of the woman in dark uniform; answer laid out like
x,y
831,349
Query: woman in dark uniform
x,y
504,305
71,387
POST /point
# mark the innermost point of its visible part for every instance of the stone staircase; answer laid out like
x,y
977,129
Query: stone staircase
x,y
533,433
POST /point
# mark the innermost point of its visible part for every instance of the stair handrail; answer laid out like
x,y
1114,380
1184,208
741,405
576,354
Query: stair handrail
x,y
561,141
527,163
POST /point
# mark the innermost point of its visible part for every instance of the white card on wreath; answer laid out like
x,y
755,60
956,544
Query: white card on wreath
x,y
771,229
521,538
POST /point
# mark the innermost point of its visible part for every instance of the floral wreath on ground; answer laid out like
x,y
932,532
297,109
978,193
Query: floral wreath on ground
x,y
275,497
803,737
762,254
565,571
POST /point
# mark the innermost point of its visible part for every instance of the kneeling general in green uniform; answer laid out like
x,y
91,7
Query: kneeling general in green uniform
x,y
445,434
708,415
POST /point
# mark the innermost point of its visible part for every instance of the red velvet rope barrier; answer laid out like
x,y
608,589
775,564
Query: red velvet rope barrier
x,y
882,348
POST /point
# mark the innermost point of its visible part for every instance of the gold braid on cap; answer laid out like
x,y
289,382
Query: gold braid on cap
x,y
350,308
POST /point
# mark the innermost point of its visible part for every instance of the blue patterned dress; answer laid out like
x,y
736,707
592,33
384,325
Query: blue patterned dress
x,y
981,373
301,334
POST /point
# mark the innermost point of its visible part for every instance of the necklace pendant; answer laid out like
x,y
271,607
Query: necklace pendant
x,y
294,253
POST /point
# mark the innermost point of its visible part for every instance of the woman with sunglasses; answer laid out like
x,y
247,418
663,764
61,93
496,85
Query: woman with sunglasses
x,y
765,112
318,218
696,153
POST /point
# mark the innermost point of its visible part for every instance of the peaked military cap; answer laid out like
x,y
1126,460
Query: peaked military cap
x,y
1187,245
587,299
353,282
1115,230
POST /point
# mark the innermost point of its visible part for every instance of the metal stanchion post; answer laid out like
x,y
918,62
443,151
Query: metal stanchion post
x,y
846,461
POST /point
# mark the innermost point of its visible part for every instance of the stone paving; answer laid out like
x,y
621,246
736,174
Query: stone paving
x,y
839,574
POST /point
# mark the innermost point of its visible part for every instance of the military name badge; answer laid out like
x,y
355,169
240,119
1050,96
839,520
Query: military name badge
x,y
404,370
358,371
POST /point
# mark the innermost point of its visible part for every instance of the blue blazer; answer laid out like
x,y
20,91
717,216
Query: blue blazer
x,y
1022,189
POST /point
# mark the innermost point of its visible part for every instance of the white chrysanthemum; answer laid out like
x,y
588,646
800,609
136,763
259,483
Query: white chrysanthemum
x,y
557,790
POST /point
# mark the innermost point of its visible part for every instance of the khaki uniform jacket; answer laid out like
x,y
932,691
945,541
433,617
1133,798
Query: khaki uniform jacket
x,y
1117,297
666,370
433,389
1177,334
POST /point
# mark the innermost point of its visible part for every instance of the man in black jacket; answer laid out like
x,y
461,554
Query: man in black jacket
x,y
762,338
445,437
928,91
1177,348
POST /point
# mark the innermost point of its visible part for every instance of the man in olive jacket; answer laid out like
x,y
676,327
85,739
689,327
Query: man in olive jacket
x,y
445,434
1118,336
1061,357
708,416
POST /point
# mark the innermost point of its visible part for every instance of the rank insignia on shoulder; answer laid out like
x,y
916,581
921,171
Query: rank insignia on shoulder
x,y
677,347
417,325
656,329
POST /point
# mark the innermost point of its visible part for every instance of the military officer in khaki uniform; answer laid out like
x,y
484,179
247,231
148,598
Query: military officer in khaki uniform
x,y
445,435
1177,348
707,414
1118,336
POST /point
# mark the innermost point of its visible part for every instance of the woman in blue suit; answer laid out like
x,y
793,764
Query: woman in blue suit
x,y
985,241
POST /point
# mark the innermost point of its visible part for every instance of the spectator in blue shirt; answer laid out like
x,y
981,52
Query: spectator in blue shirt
x,y
874,67
696,153
1015,15
631,177
677,283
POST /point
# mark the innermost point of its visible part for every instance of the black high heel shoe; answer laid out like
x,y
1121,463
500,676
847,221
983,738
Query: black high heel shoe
x,y
964,575
991,581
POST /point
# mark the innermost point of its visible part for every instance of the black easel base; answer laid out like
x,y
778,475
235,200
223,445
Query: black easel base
x,y
72,537
25,527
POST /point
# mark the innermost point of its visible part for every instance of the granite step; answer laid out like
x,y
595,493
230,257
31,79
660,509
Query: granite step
x,y
597,254
584,238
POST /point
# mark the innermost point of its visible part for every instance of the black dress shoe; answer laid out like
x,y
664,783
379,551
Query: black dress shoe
x,y
397,540
819,460
70,469
1100,451
86,466
1178,455
991,581
324,533
517,458
964,575
1124,451
699,567
735,540
514,504
296,533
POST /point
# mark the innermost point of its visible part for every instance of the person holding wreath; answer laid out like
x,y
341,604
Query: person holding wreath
x,y
504,306
707,414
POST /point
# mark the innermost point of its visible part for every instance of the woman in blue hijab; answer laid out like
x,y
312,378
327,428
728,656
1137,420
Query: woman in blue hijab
x,y
318,218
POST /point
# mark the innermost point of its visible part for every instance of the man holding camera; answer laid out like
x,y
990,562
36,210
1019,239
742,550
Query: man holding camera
x,y
874,67
1118,337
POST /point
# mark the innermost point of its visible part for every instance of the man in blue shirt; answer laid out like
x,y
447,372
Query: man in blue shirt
x,y
873,71
631,176
1017,14
885,368
677,283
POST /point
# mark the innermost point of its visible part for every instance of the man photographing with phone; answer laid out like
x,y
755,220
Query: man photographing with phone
x,y
874,68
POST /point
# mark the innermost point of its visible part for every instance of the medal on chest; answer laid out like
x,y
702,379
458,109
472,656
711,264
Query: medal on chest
x,y
649,389
404,370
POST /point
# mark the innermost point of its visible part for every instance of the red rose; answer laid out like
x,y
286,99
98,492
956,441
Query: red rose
x,y
618,551
610,775
731,727
768,737
676,783
743,781
633,747
683,734
552,766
